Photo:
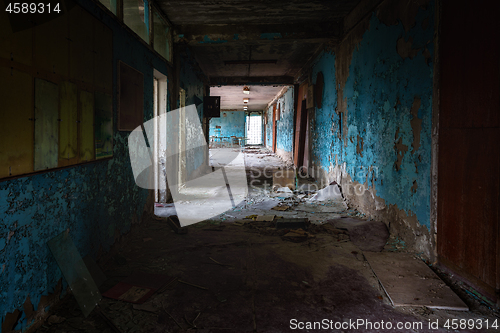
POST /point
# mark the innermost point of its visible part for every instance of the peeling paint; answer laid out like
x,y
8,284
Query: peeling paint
x,y
359,146
383,85
325,123
285,131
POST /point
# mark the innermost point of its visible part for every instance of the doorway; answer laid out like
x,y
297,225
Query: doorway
x,y
253,129
160,135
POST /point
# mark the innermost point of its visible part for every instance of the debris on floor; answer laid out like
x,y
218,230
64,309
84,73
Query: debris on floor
x,y
284,178
138,287
367,235
295,251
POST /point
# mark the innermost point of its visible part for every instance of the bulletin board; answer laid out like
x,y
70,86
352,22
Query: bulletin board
x,y
16,123
131,98
68,122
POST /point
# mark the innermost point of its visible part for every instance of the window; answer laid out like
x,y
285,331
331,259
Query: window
x,y
110,4
136,17
162,37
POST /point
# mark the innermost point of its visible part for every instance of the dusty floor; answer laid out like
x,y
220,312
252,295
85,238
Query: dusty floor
x,y
240,275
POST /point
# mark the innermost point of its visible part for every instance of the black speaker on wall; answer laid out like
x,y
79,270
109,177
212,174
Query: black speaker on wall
x,y
211,106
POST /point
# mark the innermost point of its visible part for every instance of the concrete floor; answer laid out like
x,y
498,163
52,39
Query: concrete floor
x,y
252,278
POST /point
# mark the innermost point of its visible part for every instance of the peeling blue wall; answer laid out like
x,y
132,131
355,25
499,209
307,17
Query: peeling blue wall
x,y
285,130
94,201
380,91
325,136
231,125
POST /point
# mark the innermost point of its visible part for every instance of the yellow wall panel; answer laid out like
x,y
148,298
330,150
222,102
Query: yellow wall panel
x,y
68,124
16,109
86,126
46,124
51,46
15,44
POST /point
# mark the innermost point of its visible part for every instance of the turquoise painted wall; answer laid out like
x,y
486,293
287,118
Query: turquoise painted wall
x,y
231,125
285,130
325,134
269,127
389,109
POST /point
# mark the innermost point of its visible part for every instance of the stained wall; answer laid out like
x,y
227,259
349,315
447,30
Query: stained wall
x,y
97,202
373,132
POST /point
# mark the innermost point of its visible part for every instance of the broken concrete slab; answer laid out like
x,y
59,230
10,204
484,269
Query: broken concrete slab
x,y
408,281
367,235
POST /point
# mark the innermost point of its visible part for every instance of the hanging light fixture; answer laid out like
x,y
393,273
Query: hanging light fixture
x,y
245,100
246,90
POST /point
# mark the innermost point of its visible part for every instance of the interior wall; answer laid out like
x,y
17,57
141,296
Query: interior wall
x,y
372,133
269,127
97,202
284,142
232,124
326,148
193,81
386,102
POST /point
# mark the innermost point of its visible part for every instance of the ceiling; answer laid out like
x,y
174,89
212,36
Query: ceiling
x,y
252,42
232,96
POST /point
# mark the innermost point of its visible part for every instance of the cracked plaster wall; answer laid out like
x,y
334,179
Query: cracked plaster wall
x,y
380,136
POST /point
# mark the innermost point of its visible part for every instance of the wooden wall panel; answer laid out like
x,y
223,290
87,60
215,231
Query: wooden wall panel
x,y
16,110
46,125
68,124
86,144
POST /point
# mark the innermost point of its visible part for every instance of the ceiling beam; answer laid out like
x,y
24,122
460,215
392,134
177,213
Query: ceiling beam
x,y
232,33
249,80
